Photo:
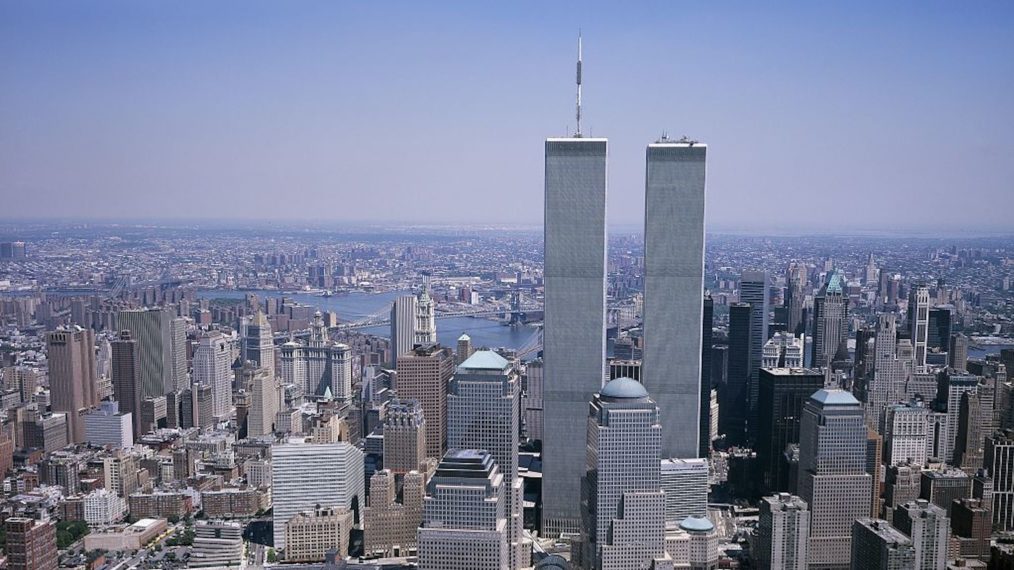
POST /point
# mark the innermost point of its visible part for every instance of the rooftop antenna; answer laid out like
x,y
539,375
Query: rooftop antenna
x,y
578,134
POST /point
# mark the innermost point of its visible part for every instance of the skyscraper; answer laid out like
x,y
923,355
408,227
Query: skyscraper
x,y
125,372
795,296
673,285
484,412
686,486
423,374
31,544
404,437
957,355
876,545
1000,464
783,532
830,320
390,527
320,365
403,320
464,515
734,394
707,326
753,289
425,318
258,342
73,390
832,474
265,396
918,324
623,465
574,338
158,349
783,392
213,368
928,527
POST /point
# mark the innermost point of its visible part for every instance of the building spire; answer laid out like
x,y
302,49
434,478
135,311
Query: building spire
x,y
578,84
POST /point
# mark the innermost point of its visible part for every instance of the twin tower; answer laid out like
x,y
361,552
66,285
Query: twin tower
x,y
575,305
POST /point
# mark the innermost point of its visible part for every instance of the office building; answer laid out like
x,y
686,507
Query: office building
x,y
783,350
306,475
942,488
425,317
403,317
107,426
999,462
951,386
574,334
623,465
465,515
673,285
259,343
734,393
532,400
213,368
389,526
423,375
309,535
939,332
783,533
795,297
70,354
972,527
685,482
464,349
830,321
30,544
876,545
783,392
216,544
902,486
404,437
957,356
832,473
918,324
120,473
975,417
103,507
265,397
753,289
320,366
906,433
484,412
161,350
707,418
928,528
125,373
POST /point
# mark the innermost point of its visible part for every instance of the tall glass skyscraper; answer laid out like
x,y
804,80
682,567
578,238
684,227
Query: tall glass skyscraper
x,y
753,289
574,339
673,289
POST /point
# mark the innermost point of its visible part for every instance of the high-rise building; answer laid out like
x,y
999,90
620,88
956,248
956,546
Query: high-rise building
x,y
972,527
423,375
73,389
425,318
783,532
464,515
216,544
160,352
999,462
957,356
319,366
830,320
673,285
890,370
902,486
783,350
31,544
533,399
464,349
265,398
108,426
944,487
832,473
623,466
403,317
213,368
906,433
574,337
258,342
484,412
706,417
120,472
404,437
939,334
950,387
310,534
928,527
876,545
918,324
734,394
753,289
389,527
304,475
795,297
783,392
125,372
685,482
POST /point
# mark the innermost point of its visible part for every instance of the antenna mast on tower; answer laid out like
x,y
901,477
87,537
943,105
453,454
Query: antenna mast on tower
x,y
578,84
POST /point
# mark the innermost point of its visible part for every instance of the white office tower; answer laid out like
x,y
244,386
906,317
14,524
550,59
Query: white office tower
x,y
403,317
319,365
425,318
876,545
305,475
107,426
161,355
783,350
918,324
574,332
674,288
216,544
832,474
753,289
928,527
258,342
830,321
265,400
783,533
891,371
465,515
685,482
104,507
623,458
484,412
906,433
213,367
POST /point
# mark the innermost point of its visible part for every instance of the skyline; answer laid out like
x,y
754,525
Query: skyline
x,y
123,111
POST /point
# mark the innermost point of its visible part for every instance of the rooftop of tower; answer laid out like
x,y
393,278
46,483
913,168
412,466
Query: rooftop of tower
x,y
830,397
623,389
485,360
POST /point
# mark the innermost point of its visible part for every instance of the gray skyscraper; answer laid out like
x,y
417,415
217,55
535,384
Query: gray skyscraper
x,y
753,289
574,339
673,288
125,372
403,318
258,343
158,349
830,320
918,324
213,368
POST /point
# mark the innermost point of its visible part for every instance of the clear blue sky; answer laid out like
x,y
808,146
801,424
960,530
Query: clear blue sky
x,y
843,115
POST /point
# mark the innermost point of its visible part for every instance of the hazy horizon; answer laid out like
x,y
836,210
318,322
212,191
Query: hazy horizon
x,y
819,119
